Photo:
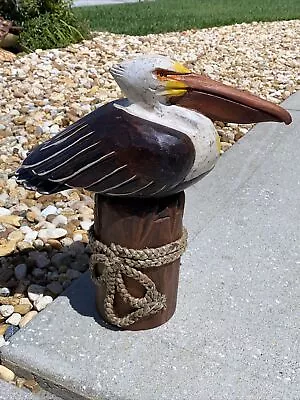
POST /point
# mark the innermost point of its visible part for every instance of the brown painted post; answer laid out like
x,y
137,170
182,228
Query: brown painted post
x,y
138,224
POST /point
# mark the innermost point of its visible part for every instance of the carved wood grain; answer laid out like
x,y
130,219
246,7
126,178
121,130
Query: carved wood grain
x,y
137,223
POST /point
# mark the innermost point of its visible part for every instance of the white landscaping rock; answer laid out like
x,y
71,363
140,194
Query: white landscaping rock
x,y
86,224
35,292
30,236
2,341
25,229
49,210
4,211
60,219
42,302
38,243
6,374
52,233
14,319
67,241
4,291
6,310
77,237
54,129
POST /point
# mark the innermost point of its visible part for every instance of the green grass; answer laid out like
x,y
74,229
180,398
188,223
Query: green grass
x,y
177,15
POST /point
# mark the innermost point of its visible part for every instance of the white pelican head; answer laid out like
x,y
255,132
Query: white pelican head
x,y
150,80
144,79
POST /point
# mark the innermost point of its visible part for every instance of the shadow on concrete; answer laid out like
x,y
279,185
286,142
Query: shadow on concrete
x,y
82,298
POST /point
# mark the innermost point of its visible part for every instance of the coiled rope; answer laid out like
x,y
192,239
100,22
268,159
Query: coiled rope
x,y
120,261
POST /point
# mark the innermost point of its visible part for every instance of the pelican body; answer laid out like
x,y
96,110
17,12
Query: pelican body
x,y
157,141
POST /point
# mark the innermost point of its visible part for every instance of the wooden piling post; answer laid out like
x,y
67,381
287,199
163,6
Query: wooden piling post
x,y
140,224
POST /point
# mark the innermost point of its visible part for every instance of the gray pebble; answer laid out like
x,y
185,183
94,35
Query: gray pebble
x,y
72,274
66,284
38,273
20,271
59,259
41,259
55,287
10,331
81,263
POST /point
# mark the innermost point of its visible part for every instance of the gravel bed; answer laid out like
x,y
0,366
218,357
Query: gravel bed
x,y
43,239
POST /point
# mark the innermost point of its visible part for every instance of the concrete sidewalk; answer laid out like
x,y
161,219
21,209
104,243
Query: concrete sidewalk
x,y
235,334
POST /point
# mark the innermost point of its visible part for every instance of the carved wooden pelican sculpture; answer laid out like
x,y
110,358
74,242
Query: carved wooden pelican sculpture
x,y
156,142
135,153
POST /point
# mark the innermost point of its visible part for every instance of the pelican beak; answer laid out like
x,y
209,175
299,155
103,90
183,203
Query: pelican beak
x,y
220,102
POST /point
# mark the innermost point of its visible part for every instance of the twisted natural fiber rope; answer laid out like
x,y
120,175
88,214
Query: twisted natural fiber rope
x,y
119,261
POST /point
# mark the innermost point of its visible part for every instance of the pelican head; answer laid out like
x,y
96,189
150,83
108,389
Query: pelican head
x,y
150,80
145,79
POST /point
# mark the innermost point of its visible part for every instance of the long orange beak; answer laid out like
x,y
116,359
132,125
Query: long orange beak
x,y
220,102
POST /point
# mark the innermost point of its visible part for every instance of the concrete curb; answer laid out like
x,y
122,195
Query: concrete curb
x,y
11,392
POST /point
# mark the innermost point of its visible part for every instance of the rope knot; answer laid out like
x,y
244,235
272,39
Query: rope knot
x,y
120,261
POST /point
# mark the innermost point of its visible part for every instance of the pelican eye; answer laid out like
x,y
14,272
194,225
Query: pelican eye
x,y
165,74
161,74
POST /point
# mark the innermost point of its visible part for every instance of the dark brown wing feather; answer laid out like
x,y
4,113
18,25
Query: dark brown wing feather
x,y
111,152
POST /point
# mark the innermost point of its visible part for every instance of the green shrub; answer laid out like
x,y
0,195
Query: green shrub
x,y
51,30
45,23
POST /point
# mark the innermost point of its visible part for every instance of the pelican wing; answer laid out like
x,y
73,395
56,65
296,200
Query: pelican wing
x,y
111,152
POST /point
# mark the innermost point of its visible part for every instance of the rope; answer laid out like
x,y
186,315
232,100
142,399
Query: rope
x,y
120,261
